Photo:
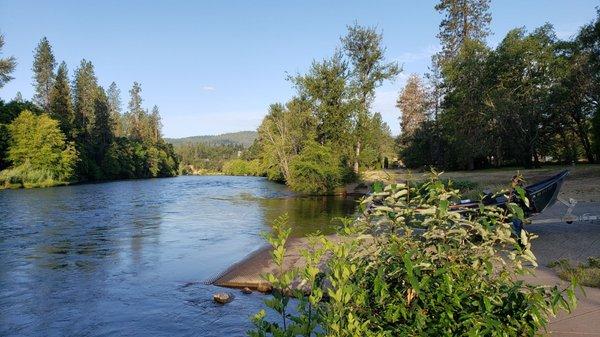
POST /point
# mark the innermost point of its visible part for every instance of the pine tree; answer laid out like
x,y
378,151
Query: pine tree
x,y
43,73
101,130
155,125
19,97
7,65
61,106
85,89
463,20
136,113
114,105
367,56
414,104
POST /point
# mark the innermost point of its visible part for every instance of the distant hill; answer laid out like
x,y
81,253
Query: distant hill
x,y
245,138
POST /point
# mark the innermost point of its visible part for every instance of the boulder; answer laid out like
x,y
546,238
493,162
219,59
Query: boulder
x,y
264,287
247,290
223,298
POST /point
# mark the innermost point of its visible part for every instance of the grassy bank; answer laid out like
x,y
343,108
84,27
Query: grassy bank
x,y
583,183
588,274
24,177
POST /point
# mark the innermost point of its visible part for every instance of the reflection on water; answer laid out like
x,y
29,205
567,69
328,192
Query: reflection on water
x,y
126,258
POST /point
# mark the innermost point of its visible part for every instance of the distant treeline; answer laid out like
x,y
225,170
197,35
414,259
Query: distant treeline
x,y
74,130
533,98
244,138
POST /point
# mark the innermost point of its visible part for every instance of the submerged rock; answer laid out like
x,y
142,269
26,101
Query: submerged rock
x,y
247,290
223,298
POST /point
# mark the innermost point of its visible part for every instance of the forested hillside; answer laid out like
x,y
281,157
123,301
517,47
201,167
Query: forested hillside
x,y
244,138
75,130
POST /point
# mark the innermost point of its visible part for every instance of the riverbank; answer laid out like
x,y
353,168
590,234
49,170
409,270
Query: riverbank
x,y
7,185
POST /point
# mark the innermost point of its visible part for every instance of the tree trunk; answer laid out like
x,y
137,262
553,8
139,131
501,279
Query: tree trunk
x,y
356,159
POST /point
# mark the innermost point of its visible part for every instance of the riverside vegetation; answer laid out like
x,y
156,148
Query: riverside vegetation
x,y
76,131
458,277
532,99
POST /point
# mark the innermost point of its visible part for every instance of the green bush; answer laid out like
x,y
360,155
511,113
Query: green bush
x,y
26,176
240,167
455,277
316,170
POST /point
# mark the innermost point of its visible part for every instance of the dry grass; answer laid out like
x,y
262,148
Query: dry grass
x,y
586,274
583,184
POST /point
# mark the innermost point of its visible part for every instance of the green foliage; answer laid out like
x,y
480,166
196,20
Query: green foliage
x,y
411,267
38,145
85,89
4,143
526,100
28,177
463,21
332,108
302,283
43,73
11,110
208,157
61,104
240,167
7,65
127,159
77,132
316,170
243,138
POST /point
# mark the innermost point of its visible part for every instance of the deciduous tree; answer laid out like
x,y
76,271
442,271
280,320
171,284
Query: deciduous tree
x,y
363,47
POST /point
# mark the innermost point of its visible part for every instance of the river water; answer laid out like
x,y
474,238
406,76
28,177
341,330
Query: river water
x,y
128,258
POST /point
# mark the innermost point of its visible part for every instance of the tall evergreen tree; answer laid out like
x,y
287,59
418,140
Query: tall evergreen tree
x,y
463,20
7,65
61,106
136,113
414,104
43,73
85,89
101,131
369,70
155,124
114,105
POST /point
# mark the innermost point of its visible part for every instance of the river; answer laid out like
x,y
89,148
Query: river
x,y
128,258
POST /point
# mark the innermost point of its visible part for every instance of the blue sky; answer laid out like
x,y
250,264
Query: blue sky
x,y
215,66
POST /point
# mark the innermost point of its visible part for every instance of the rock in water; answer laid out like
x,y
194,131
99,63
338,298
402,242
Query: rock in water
x,y
264,287
247,290
223,298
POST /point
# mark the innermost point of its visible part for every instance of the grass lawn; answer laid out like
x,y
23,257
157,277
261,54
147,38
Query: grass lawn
x,y
583,183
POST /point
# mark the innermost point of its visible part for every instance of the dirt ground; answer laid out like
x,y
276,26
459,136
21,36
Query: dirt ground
x,y
582,184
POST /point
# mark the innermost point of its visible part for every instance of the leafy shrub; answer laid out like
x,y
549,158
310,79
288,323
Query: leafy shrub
x,y
240,167
26,176
316,170
457,277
